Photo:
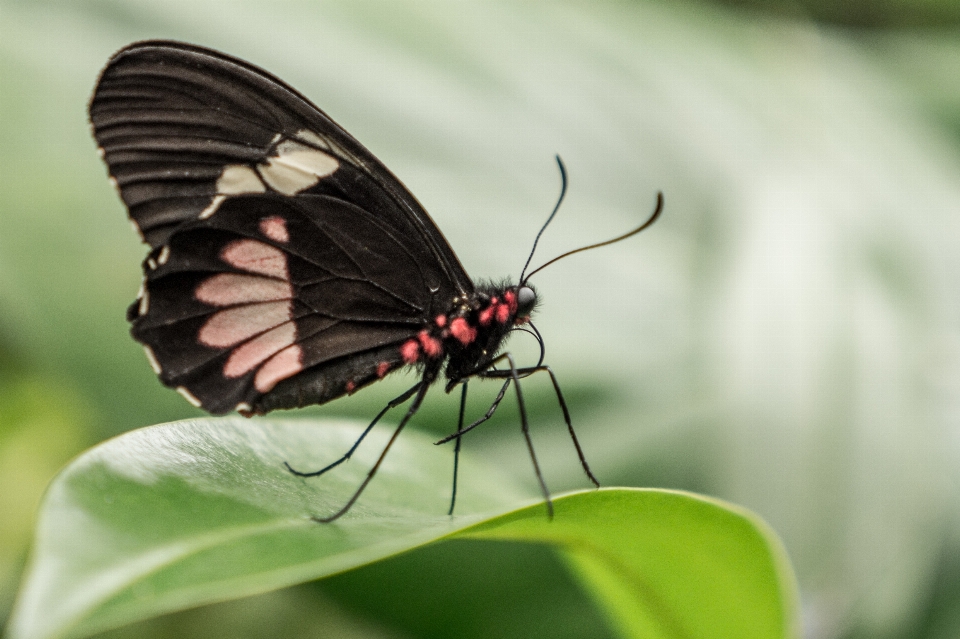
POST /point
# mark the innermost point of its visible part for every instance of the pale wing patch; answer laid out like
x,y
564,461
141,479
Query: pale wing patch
x,y
229,289
188,396
296,167
154,364
293,167
246,357
309,136
144,303
275,228
284,364
236,179
143,297
212,208
235,325
256,257
239,178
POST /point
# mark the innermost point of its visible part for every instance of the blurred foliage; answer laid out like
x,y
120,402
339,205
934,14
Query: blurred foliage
x,y
870,14
43,422
787,334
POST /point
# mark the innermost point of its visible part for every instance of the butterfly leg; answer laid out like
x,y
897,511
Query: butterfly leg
x,y
513,375
456,449
392,404
488,415
421,391
525,427
563,407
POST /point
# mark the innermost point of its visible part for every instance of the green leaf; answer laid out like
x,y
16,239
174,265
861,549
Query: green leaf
x,y
667,563
178,515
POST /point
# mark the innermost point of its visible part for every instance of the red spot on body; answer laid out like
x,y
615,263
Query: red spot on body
x,y
462,331
383,368
431,345
511,298
441,320
351,386
486,315
410,351
503,313
275,228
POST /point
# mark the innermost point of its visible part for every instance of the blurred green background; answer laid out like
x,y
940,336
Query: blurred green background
x,y
787,337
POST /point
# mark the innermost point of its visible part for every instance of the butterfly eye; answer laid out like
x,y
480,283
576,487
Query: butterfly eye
x,y
526,300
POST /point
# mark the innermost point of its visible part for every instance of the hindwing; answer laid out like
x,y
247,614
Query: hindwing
x,y
274,286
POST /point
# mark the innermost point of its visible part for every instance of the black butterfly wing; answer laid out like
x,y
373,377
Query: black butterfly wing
x,y
182,128
288,263
277,288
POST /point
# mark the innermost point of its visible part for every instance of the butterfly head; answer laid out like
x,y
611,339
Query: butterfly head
x,y
526,299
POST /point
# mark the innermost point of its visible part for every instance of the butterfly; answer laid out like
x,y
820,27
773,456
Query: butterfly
x,y
287,265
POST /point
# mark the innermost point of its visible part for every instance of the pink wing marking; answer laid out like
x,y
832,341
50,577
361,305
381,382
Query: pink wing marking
x,y
275,228
256,257
235,325
248,356
284,364
230,289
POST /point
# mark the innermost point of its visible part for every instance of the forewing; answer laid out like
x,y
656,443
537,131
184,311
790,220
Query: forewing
x,y
184,129
280,288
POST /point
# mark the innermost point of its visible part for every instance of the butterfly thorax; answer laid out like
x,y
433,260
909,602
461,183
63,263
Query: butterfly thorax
x,y
470,335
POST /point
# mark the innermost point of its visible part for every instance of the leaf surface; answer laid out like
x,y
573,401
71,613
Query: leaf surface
x,y
183,514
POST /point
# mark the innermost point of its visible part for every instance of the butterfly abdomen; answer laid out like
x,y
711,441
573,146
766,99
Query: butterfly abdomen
x,y
465,338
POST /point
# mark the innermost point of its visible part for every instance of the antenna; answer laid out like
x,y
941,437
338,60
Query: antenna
x,y
563,191
650,220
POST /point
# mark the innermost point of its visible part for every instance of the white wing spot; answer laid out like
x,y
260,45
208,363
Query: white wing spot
x,y
151,263
214,205
296,167
237,179
309,136
164,255
188,396
154,364
144,302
